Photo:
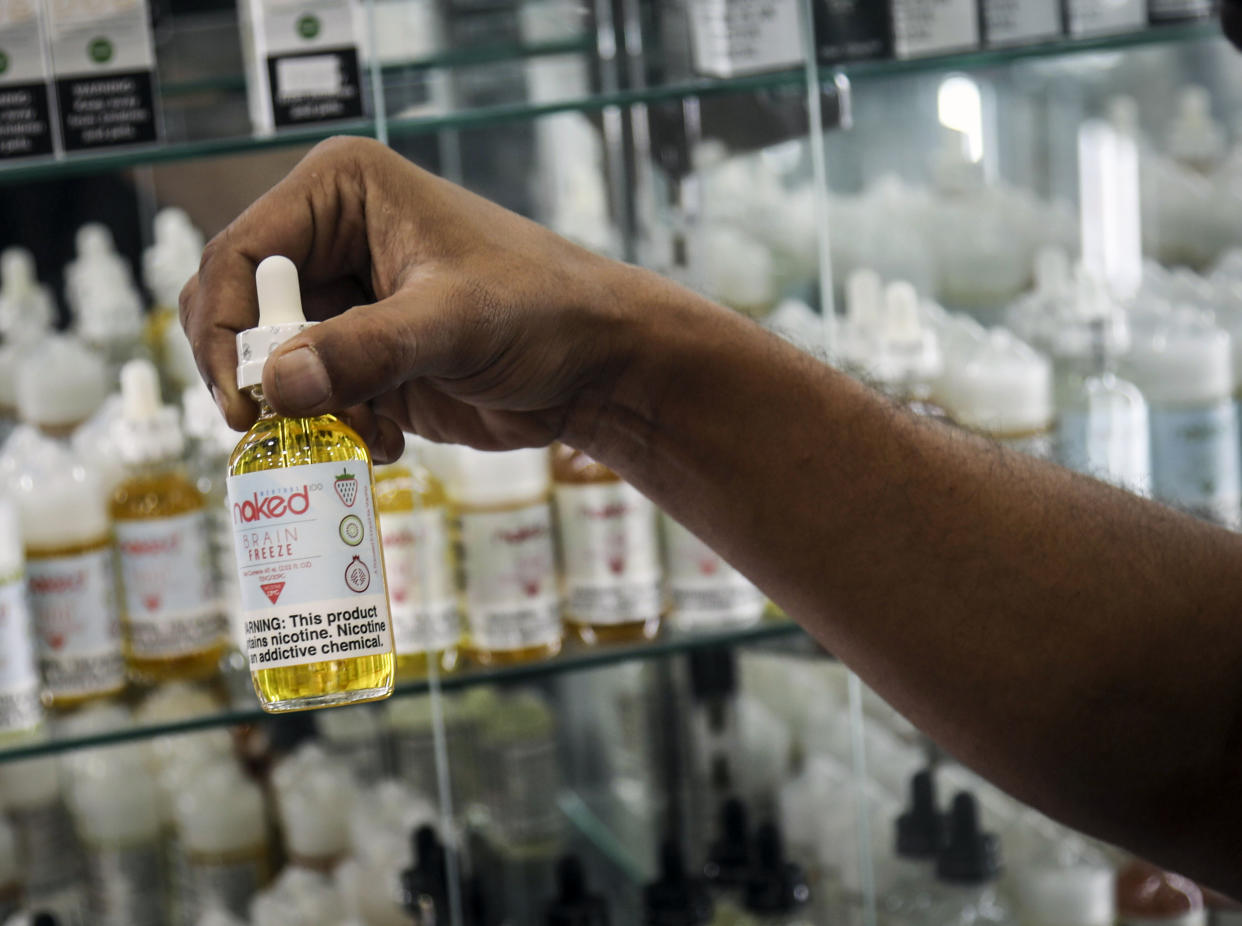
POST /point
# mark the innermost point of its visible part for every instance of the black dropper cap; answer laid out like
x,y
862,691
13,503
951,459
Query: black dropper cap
x,y
920,830
969,855
427,878
775,886
728,858
675,899
574,906
43,919
713,673
286,732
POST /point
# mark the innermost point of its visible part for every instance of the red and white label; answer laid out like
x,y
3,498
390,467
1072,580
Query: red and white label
x,y
420,580
19,682
308,564
704,590
171,608
609,553
74,605
512,599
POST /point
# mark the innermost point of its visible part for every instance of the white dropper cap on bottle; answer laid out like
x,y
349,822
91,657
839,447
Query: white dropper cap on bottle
x,y
25,306
298,898
909,351
484,478
1196,139
148,431
60,383
174,257
864,292
221,812
114,801
280,318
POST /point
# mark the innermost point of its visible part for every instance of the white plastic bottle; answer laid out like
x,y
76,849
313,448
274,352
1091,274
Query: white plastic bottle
x,y
70,579
222,824
20,709
1196,139
107,309
501,504
705,593
166,266
115,808
298,898
314,796
1003,389
1183,365
48,851
10,872
907,360
173,625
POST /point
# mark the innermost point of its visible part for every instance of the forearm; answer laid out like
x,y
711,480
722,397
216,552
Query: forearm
x,y
1079,646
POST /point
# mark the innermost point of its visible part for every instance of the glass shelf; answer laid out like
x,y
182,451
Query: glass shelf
x,y
573,659
483,116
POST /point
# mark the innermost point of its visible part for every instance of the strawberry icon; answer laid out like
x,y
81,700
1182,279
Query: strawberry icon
x,y
151,602
616,564
709,565
347,488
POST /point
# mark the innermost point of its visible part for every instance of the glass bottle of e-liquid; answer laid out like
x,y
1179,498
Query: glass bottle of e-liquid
x,y
314,598
174,629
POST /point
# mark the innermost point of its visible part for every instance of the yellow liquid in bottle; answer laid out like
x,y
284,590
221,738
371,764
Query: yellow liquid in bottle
x,y
403,489
276,443
574,468
162,492
65,702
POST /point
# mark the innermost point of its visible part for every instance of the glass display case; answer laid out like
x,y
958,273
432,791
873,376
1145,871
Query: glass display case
x,y
885,194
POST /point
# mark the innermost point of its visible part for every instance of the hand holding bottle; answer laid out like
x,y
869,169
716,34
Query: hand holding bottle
x,y
449,315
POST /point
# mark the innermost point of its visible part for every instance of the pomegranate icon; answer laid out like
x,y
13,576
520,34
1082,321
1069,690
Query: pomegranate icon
x,y
357,576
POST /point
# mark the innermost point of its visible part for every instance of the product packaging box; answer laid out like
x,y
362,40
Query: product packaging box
x,y
1015,22
853,30
104,68
1169,11
302,61
1100,17
25,82
732,37
933,27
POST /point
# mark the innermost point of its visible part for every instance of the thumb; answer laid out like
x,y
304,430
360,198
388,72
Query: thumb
x,y
358,355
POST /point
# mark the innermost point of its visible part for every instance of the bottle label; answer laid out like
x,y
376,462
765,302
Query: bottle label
x,y
510,577
744,36
609,553
19,683
308,563
1194,453
420,580
220,885
170,603
124,885
49,854
525,779
705,590
73,601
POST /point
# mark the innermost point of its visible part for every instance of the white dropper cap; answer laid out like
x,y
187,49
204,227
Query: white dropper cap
x,y
115,801
148,431
221,812
173,258
280,318
1184,359
864,297
298,898
175,701
483,478
1196,139
25,306
1082,894
1003,388
62,503
908,349
314,795
94,239
60,383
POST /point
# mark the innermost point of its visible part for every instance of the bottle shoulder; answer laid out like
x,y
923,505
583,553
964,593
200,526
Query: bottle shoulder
x,y
277,443
159,494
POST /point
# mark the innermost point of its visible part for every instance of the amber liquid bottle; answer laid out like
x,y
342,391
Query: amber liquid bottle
x,y
418,561
610,562
174,628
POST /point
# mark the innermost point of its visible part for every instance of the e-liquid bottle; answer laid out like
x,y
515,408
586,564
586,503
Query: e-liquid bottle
x,y
705,592
70,577
166,265
610,563
312,581
968,866
776,892
314,797
418,561
222,824
503,521
20,710
173,626
919,834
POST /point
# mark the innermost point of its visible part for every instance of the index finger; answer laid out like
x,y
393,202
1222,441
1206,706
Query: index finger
x,y
314,217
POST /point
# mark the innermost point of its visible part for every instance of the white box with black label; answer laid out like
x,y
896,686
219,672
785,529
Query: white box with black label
x,y
25,82
1101,17
732,37
302,61
1011,22
933,27
104,69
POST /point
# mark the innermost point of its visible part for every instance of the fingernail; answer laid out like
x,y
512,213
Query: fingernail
x,y
301,379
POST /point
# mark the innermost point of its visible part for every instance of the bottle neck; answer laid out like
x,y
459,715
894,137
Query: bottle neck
x,y
265,407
